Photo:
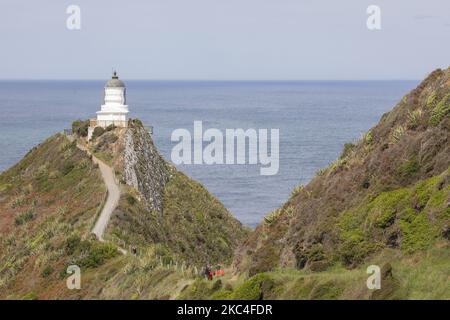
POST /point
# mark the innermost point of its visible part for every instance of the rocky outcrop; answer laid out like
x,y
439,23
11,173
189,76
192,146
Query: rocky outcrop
x,y
143,167
162,207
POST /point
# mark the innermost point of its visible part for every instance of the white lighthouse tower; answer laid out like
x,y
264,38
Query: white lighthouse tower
x,y
114,109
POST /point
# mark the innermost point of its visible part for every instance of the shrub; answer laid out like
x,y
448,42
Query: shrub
x,y
80,127
356,239
321,172
252,289
222,294
24,217
297,190
273,216
368,138
18,202
131,200
30,296
408,168
47,271
441,110
62,210
418,232
397,133
265,259
365,183
110,127
137,122
98,131
67,167
414,118
198,290
348,148
105,140
71,244
5,187
88,254
217,285
28,189
67,146
431,101
327,291
383,209
290,211
97,254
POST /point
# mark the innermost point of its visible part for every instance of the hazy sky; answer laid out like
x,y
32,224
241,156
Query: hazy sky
x,y
223,39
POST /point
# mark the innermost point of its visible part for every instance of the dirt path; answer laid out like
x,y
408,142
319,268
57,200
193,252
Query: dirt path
x,y
111,201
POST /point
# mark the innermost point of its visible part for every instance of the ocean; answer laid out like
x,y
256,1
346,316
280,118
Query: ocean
x,y
314,118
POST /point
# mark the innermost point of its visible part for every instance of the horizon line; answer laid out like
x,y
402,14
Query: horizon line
x,y
205,80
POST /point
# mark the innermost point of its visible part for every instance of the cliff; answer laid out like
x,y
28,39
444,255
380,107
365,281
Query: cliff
x,y
162,206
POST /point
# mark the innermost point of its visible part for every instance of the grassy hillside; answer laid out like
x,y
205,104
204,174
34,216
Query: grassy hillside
x,y
388,191
50,200
48,204
422,275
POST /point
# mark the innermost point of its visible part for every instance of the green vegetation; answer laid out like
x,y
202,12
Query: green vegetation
x,y
53,192
397,134
273,216
47,271
105,156
414,118
88,254
98,131
18,202
194,226
368,137
431,100
440,111
30,296
111,127
419,212
80,128
417,230
253,288
24,217
348,148
321,172
422,275
96,254
297,190
408,168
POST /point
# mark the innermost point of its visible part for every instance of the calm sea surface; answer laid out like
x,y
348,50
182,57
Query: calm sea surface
x,y
315,119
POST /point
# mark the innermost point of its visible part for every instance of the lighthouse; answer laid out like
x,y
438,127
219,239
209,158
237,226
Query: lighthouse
x,y
114,109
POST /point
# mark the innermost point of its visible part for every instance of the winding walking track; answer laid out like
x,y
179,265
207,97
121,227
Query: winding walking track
x,y
112,199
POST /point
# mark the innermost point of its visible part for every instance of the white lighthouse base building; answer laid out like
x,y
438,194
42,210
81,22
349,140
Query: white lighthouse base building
x,y
114,109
